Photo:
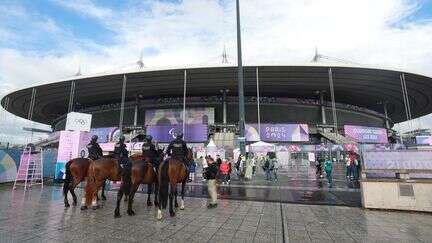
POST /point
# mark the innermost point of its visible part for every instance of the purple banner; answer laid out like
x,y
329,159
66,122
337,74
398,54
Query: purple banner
x,y
166,133
278,132
366,134
162,117
105,134
424,140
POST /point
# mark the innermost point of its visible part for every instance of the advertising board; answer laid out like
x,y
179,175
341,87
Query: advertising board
x,y
203,115
366,134
278,132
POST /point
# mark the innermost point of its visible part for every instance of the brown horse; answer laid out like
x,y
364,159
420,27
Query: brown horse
x,y
99,171
142,173
76,172
171,172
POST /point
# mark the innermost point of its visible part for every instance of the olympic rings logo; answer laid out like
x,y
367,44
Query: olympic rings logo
x,y
80,121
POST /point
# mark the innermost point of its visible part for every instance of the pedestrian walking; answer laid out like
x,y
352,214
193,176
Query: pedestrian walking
x,y
224,171
275,168
192,170
211,174
204,167
328,168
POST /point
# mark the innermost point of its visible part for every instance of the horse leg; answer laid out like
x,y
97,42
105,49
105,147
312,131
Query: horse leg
x,y
72,191
103,191
182,206
175,197
66,202
171,197
130,212
156,194
149,192
119,198
95,205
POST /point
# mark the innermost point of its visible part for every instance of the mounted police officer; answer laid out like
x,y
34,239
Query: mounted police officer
x,y
94,150
178,149
149,150
121,153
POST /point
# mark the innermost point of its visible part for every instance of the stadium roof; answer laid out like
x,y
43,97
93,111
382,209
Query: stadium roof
x,y
356,85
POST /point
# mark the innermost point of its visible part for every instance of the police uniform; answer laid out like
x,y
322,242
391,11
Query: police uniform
x,y
121,153
149,150
94,150
178,149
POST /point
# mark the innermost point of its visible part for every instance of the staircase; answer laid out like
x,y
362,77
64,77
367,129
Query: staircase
x,y
337,138
30,171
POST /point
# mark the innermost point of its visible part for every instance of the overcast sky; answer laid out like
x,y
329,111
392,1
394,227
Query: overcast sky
x,y
42,41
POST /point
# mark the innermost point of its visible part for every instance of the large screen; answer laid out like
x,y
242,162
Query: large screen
x,y
159,117
278,132
166,133
366,134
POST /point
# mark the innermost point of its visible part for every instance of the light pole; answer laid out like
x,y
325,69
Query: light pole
x,y
242,138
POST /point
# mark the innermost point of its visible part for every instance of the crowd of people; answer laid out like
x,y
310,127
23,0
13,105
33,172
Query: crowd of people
x,y
325,164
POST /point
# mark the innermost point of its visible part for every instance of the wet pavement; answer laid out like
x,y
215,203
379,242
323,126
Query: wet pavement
x,y
294,185
39,216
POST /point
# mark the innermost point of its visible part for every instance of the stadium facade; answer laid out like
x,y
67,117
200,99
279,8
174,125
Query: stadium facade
x,y
296,94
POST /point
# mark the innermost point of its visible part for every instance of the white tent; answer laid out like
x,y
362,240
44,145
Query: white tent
x,y
260,147
213,150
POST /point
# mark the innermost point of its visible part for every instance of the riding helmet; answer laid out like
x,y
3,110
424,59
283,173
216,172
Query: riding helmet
x,y
94,138
149,138
179,135
122,138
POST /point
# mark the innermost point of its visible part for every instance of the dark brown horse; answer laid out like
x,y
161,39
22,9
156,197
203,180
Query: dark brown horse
x,y
142,173
171,172
99,171
76,172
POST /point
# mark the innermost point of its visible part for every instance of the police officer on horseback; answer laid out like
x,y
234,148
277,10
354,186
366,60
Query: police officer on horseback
x,y
121,153
94,150
149,150
178,149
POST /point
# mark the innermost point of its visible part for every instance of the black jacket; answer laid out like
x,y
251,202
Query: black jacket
x,y
177,148
149,149
211,171
94,150
120,150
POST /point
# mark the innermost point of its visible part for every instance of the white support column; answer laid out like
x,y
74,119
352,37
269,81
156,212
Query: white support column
x,y
184,100
122,103
71,96
335,122
258,103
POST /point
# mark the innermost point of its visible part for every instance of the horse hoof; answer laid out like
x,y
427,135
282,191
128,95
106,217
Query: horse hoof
x,y
159,214
149,204
117,215
131,212
83,207
103,198
182,207
176,206
67,205
95,207
74,203
172,214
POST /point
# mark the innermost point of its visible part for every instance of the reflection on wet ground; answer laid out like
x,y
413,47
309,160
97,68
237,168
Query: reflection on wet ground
x,y
294,185
38,215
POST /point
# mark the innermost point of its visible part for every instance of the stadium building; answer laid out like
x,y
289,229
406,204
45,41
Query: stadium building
x,y
321,96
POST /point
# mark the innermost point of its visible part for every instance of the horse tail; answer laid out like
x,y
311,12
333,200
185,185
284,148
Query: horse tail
x,y
163,184
127,180
68,179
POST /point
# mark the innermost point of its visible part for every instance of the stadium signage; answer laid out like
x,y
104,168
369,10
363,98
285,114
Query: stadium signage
x,y
366,134
166,133
277,132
